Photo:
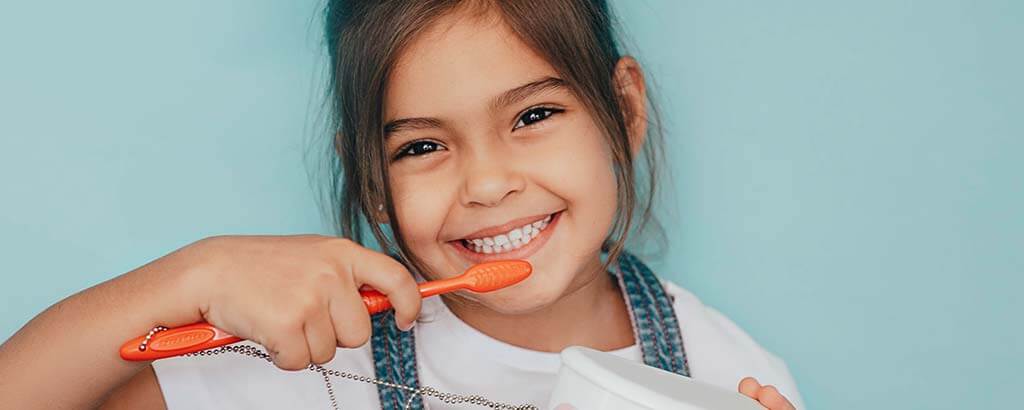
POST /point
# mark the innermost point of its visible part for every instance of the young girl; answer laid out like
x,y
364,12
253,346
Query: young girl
x,y
467,131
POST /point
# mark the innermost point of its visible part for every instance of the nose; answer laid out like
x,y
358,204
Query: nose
x,y
490,178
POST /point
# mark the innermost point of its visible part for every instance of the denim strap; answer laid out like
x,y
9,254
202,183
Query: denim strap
x,y
394,360
654,318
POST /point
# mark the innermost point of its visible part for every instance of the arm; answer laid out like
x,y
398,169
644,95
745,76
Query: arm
x,y
140,392
75,342
297,295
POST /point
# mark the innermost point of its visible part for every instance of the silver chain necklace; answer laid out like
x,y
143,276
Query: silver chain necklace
x,y
424,391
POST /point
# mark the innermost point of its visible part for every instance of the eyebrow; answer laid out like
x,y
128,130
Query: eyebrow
x,y
506,98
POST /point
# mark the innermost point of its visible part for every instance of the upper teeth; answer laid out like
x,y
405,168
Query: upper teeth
x,y
508,241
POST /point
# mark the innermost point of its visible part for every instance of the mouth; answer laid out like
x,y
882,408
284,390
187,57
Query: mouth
x,y
518,242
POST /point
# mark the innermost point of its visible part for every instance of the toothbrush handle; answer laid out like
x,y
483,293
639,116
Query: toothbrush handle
x,y
377,302
201,336
177,341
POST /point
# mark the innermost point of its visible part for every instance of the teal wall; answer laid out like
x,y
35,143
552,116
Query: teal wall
x,y
848,178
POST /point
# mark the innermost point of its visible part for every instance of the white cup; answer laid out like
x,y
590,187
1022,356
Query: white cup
x,y
592,380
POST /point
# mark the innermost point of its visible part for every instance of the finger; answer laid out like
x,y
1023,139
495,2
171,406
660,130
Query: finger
x,y
289,349
392,279
770,397
749,387
348,314
320,337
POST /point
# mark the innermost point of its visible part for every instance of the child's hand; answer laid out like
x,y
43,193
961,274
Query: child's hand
x,y
767,396
298,296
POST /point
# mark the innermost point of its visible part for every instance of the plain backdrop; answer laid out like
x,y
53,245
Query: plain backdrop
x,y
847,176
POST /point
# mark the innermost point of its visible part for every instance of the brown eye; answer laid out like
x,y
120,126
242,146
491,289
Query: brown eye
x,y
535,115
417,148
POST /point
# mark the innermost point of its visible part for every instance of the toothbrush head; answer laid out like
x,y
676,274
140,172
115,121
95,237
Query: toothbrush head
x,y
490,276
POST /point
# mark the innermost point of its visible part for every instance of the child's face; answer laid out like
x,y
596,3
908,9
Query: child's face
x,y
476,170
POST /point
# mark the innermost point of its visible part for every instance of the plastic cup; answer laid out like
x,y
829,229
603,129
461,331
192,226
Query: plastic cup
x,y
592,380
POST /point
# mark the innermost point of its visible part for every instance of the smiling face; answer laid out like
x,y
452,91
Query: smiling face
x,y
493,157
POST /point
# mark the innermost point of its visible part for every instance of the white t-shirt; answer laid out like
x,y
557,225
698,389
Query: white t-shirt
x,y
454,357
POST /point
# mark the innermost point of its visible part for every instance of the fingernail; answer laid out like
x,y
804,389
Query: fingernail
x,y
407,327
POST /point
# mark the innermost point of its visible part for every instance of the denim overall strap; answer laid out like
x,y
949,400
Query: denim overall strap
x,y
654,318
394,360
655,327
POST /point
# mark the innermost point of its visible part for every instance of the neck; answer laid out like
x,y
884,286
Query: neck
x,y
592,314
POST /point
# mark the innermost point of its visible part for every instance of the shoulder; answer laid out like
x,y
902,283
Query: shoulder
x,y
720,352
235,381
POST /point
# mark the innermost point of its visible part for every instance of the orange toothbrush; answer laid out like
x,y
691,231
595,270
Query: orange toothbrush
x,y
484,277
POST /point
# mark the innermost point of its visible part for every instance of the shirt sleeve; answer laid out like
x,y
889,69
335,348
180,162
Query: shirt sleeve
x,y
180,384
721,353
769,368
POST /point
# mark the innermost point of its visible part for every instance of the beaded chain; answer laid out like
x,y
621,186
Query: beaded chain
x,y
424,391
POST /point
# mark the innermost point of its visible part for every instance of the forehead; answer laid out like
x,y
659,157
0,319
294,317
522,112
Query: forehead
x,y
460,62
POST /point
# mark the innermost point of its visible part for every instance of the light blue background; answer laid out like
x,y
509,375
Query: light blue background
x,y
848,175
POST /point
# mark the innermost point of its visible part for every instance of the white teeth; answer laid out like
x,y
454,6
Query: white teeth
x,y
513,239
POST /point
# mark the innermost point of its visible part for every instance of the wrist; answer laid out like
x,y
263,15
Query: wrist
x,y
175,292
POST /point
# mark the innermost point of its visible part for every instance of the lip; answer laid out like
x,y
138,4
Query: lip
x,y
522,253
504,228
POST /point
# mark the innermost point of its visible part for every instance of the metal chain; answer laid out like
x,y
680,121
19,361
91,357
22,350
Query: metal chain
x,y
424,391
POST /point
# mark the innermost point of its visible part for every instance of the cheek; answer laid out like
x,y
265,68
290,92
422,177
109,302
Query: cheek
x,y
421,205
578,167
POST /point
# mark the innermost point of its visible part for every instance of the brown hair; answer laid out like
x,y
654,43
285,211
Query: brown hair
x,y
364,39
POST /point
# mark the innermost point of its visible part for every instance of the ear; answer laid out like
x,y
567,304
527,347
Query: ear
x,y
629,84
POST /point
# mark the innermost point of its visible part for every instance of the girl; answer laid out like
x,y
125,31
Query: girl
x,y
467,131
